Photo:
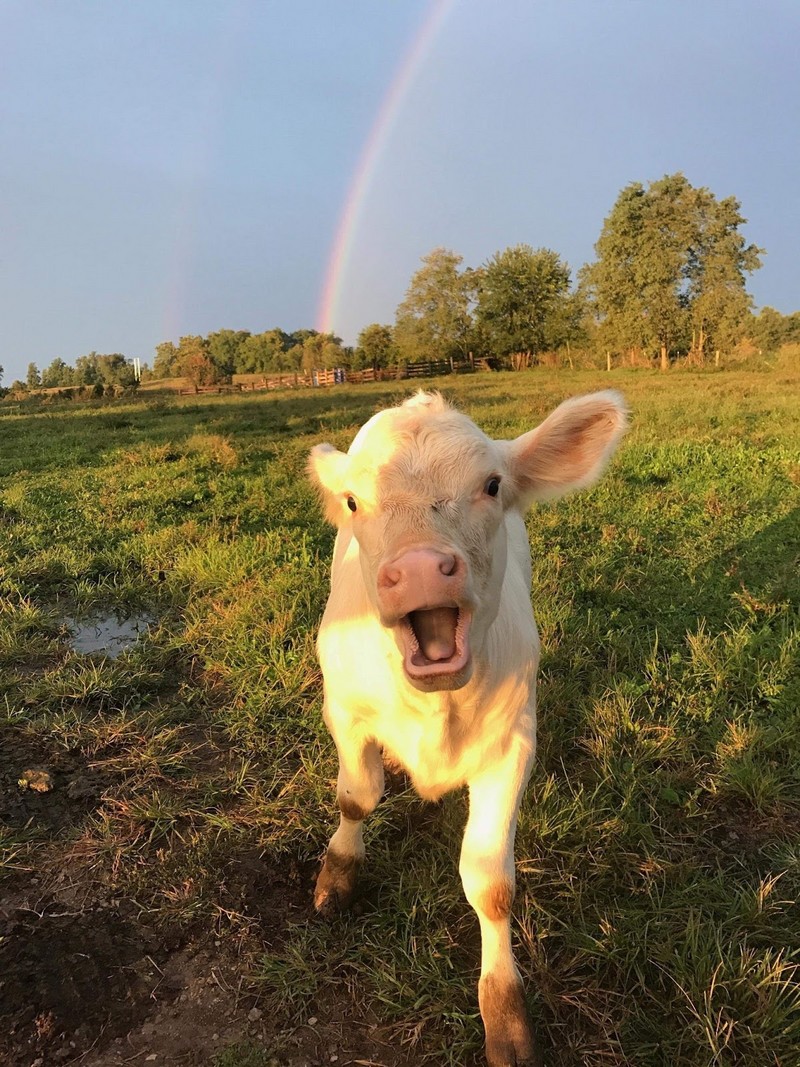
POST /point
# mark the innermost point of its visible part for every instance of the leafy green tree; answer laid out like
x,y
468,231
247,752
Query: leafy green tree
x,y
299,337
294,357
434,321
572,319
717,263
165,365
115,369
637,280
376,347
223,350
33,379
522,300
769,329
57,374
670,260
87,371
348,357
263,352
321,351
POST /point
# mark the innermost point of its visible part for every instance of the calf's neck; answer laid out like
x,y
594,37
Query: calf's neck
x,y
428,644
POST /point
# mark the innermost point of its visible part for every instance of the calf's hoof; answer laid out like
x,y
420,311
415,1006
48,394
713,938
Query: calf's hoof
x,y
336,883
509,1035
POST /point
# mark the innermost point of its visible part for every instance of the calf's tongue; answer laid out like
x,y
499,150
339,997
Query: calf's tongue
x,y
435,630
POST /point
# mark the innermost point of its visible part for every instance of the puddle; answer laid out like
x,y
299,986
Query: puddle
x,y
107,634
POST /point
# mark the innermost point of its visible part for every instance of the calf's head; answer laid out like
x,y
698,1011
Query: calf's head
x,y
425,494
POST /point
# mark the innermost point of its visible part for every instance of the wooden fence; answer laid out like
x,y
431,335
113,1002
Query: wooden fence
x,y
338,376
430,368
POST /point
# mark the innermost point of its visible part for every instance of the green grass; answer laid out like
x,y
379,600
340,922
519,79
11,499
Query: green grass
x,y
658,849
248,1055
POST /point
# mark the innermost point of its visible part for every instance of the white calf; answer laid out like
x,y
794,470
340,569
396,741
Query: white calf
x,y
428,644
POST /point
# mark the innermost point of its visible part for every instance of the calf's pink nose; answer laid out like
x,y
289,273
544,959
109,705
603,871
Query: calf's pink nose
x,y
423,566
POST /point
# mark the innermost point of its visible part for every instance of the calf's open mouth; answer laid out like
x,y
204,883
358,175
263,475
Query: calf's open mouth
x,y
435,641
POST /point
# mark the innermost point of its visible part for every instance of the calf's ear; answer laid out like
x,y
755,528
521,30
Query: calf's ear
x,y
570,449
327,469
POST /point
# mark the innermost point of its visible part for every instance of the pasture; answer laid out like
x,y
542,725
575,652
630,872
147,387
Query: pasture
x,y
156,894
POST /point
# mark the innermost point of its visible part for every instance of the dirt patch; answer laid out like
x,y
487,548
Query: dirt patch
x,y
194,1010
86,978
265,897
74,787
213,1012
95,986
742,829
67,977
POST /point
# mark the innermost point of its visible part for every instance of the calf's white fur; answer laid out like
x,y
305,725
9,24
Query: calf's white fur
x,y
428,644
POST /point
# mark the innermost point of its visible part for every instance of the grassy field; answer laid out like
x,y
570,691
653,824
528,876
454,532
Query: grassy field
x,y
159,891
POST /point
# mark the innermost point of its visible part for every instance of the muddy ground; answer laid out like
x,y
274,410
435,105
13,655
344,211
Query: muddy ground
x,y
86,978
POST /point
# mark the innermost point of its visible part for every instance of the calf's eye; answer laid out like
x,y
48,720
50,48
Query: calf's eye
x,y
492,487
352,504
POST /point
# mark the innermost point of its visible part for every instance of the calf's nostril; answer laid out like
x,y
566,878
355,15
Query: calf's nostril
x,y
448,565
389,576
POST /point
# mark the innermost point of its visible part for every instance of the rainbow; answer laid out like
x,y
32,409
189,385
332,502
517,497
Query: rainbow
x,y
366,168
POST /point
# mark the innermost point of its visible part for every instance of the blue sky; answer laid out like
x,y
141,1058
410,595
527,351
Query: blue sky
x,y
172,168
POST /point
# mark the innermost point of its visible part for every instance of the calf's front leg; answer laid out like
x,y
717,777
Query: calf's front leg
x,y
358,790
487,873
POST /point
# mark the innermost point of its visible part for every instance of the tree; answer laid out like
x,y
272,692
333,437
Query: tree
x,y
522,298
114,369
717,263
434,321
321,351
165,365
223,351
262,352
376,347
769,329
670,259
194,362
637,280
57,374
87,371
33,380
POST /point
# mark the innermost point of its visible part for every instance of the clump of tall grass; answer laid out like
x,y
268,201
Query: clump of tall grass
x,y
213,449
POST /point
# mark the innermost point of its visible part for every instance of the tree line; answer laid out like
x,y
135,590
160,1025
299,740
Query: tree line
x,y
205,360
94,373
668,281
